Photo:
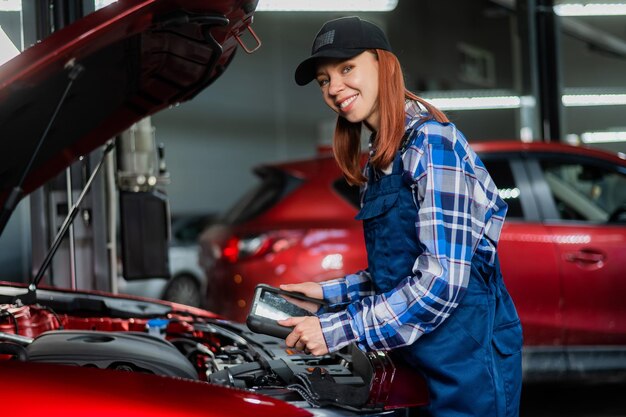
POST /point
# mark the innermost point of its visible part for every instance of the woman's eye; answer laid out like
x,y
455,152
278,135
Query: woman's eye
x,y
322,82
347,69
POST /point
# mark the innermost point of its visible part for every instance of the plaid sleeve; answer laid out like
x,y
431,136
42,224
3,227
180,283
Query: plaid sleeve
x,y
454,206
350,288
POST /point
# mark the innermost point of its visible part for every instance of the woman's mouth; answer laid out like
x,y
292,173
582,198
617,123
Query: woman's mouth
x,y
346,103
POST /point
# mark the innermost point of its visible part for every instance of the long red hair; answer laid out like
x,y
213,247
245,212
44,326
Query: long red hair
x,y
391,101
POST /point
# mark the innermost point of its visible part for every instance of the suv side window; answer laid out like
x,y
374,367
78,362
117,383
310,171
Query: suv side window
x,y
586,191
502,175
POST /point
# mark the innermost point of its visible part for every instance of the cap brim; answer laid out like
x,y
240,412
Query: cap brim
x,y
306,71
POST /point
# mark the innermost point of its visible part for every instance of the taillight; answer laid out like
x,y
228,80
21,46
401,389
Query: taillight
x,y
239,248
230,252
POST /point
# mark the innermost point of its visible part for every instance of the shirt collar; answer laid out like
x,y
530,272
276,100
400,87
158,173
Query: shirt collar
x,y
414,110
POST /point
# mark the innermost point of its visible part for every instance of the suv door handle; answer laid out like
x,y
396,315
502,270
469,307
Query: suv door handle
x,y
586,256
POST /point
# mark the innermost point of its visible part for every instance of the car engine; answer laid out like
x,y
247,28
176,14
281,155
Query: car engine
x,y
136,352
156,339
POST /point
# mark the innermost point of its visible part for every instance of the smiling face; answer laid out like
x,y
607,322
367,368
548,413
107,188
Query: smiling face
x,y
350,88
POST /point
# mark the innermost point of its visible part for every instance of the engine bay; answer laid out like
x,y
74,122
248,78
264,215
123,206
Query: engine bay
x,y
63,328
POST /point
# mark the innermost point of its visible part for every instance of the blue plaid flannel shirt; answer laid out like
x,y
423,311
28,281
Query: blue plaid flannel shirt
x,y
460,213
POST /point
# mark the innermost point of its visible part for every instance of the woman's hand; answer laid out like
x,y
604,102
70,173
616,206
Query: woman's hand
x,y
310,289
306,335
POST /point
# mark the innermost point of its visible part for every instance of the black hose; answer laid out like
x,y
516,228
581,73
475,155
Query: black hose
x,y
7,313
9,348
51,311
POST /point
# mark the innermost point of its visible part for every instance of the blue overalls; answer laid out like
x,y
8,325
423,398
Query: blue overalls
x,y
472,361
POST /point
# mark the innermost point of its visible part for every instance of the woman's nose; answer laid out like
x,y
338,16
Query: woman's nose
x,y
335,86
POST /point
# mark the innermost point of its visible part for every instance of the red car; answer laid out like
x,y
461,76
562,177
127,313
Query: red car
x,y
77,353
563,246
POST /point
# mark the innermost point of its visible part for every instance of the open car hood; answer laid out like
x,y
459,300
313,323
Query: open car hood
x,y
130,59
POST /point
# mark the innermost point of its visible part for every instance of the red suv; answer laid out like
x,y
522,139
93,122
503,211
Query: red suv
x,y
563,246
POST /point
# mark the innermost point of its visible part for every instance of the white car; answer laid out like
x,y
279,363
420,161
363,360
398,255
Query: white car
x,y
187,283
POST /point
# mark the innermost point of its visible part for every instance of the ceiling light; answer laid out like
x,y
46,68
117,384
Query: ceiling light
x,y
326,5
476,103
574,100
513,102
10,5
591,9
603,137
7,49
99,4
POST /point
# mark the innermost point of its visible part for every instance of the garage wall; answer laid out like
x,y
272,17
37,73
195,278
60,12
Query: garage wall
x,y
256,113
210,167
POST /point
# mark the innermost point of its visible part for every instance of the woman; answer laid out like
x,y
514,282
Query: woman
x,y
432,219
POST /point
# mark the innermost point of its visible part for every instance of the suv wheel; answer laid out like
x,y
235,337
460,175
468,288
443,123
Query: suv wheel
x,y
183,289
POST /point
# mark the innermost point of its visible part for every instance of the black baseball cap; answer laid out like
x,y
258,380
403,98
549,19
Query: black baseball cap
x,y
341,38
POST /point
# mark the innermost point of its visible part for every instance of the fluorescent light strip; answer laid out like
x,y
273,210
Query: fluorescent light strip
x,y
476,103
514,102
10,5
574,100
603,137
7,49
326,5
591,9
99,4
